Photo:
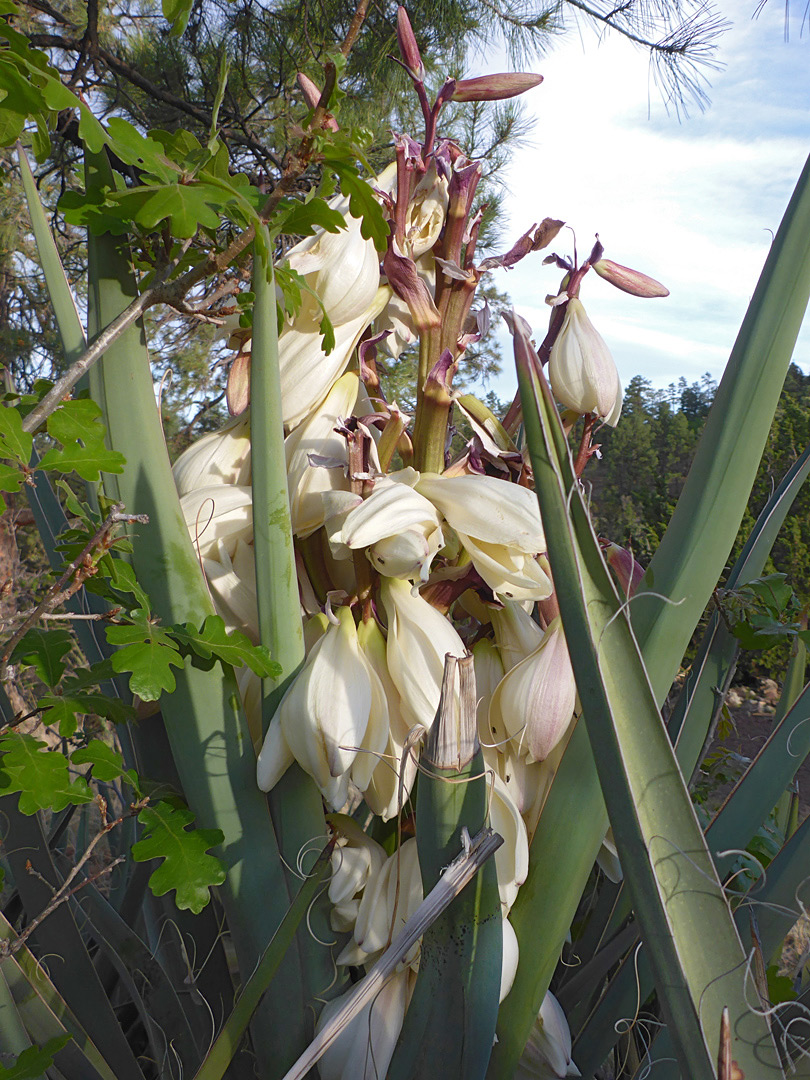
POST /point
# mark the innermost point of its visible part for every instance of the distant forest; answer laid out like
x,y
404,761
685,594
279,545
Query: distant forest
x,y
645,459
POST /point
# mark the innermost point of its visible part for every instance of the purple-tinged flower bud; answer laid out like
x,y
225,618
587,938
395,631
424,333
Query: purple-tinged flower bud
x,y
404,279
407,45
312,96
495,87
628,572
629,281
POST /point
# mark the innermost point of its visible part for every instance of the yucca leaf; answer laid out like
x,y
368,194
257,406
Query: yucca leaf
x,y
13,1036
146,982
781,896
46,1015
450,1022
276,579
72,976
695,546
713,666
60,294
757,791
218,1059
295,804
676,893
204,719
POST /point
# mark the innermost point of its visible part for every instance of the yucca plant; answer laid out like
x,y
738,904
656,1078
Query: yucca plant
x,y
259,841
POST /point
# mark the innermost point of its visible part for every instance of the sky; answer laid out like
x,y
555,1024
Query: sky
x,y
692,202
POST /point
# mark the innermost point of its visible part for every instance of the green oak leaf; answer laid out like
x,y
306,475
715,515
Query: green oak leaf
x,y
213,640
32,1063
149,653
14,442
43,651
39,774
107,763
77,420
177,13
186,866
303,218
362,204
62,711
88,461
141,150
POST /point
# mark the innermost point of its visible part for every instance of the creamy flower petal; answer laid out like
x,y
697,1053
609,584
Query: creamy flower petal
x,y
419,637
308,484
365,1046
512,857
222,457
511,956
536,699
491,510
581,370
508,572
221,512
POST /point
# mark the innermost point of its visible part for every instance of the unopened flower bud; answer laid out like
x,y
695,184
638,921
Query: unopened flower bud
x,y
495,87
629,281
628,572
408,48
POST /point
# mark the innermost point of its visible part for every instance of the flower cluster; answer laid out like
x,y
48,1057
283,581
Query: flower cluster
x,y
407,552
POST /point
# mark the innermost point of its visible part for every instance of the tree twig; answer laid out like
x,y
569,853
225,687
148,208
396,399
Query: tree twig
x,y
79,570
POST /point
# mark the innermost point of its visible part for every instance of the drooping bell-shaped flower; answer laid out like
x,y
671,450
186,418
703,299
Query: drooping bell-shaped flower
x,y
488,673
365,1046
499,525
355,859
512,857
509,962
548,1051
315,453
324,714
221,457
419,637
536,699
232,583
389,899
219,515
517,635
581,371
400,528
384,794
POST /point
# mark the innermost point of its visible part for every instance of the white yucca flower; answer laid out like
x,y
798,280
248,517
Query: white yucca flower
x,y
512,857
547,1055
419,638
488,674
222,457
511,956
517,635
581,370
355,859
383,791
317,491
322,719
217,517
365,1046
343,270
535,701
400,528
389,899
499,525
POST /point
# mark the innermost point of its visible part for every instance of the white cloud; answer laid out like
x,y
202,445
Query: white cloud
x,y
692,204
